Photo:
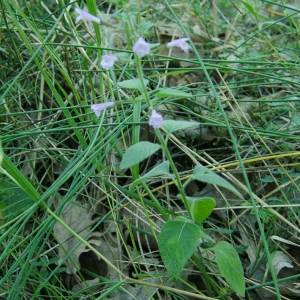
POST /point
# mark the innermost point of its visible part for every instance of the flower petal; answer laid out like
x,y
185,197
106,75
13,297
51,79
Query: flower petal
x,y
141,47
180,43
108,61
86,16
97,108
156,120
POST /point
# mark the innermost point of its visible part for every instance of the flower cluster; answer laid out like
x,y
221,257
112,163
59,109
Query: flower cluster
x,y
140,48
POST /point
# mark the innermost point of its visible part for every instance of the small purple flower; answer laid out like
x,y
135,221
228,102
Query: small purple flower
x,y
180,43
108,61
86,16
141,47
97,108
156,120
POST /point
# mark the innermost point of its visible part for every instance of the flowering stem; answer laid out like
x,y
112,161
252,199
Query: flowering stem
x,y
91,4
236,150
173,167
137,109
136,130
141,78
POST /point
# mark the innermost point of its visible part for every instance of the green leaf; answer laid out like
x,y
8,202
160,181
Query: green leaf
x,y
169,92
145,27
250,8
297,119
161,169
204,174
230,266
133,84
200,208
13,200
177,242
137,153
174,125
8,168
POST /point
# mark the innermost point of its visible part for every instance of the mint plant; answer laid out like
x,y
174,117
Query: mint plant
x,y
180,238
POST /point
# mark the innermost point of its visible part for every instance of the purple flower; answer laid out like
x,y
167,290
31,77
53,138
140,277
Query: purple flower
x,y
97,108
141,47
86,16
180,43
156,120
108,61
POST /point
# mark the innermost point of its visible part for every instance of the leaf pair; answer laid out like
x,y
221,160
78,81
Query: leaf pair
x,y
178,241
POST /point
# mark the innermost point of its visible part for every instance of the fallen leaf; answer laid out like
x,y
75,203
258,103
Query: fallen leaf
x,y
80,221
280,261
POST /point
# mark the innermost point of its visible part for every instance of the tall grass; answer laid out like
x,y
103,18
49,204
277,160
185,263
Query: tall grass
x,y
243,77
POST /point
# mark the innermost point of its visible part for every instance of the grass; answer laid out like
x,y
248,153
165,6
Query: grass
x,y
61,165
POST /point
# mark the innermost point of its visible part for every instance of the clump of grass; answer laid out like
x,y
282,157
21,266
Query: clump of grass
x,y
239,81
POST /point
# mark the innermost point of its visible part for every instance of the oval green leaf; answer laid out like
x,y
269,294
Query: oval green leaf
x,y
177,242
133,84
137,153
230,266
169,92
159,170
204,174
174,125
200,208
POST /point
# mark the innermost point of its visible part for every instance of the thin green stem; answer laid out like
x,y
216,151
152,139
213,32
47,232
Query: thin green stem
x,y
178,182
235,147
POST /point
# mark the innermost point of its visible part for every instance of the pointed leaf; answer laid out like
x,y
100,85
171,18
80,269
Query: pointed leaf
x,y
174,125
169,92
251,9
230,266
200,208
177,242
161,169
204,174
13,200
137,153
133,84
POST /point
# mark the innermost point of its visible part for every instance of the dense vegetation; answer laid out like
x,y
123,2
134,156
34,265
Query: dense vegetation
x,y
135,164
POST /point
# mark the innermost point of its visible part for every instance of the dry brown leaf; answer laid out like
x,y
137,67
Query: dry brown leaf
x,y
280,261
80,221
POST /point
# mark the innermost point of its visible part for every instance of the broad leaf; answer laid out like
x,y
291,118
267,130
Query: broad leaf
x,y
230,266
132,84
204,174
177,242
200,208
280,260
169,92
80,220
174,125
137,153
161,169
